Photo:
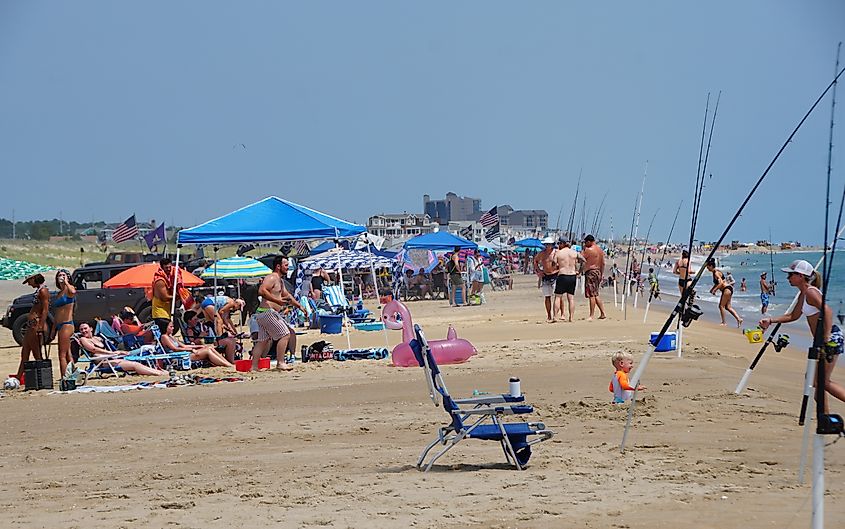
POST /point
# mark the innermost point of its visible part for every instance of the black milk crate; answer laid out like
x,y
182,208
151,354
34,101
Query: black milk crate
x,y
38,374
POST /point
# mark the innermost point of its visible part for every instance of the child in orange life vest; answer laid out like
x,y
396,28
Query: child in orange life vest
x,y
619,386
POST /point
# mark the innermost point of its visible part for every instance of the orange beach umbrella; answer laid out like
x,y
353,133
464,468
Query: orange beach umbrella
x,y
141,276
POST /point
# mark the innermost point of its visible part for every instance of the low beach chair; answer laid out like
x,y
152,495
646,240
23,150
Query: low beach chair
x,y
477,417
334,296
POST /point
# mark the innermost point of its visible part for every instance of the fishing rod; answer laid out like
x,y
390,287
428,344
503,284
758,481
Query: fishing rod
x,y
663,256
826,423
690,315
632,245
781,341
706,159
628,259
598,214
569,225
642,256
771,263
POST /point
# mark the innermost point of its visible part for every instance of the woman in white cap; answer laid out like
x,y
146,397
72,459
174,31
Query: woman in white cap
x,y
808,281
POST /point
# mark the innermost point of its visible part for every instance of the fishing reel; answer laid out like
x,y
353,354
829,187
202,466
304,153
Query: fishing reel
x,y
781,343
830,424
690,314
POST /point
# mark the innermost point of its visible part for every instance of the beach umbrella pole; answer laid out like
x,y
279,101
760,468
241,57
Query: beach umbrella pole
x,y
342,293
375,286
215,272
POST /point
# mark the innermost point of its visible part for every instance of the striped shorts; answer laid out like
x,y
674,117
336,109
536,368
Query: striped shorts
x,y
271,326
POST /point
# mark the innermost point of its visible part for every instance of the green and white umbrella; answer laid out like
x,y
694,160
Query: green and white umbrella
x,y
12,269
236,268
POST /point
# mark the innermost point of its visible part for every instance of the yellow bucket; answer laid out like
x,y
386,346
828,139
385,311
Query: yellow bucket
x,y
754,335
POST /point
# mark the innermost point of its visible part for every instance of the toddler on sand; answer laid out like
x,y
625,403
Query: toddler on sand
x,y
619,386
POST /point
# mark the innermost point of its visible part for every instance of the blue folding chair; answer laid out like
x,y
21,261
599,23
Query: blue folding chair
x,y
335,297
477,417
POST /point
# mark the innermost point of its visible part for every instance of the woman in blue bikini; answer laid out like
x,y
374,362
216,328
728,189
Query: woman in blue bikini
x,y
63,314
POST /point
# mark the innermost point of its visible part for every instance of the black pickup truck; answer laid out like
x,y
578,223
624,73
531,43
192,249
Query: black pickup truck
x,y
91,299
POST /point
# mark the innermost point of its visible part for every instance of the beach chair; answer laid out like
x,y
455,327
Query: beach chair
x,y
477,417
334,296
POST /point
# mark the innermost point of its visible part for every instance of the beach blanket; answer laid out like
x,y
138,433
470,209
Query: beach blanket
x,y
182,381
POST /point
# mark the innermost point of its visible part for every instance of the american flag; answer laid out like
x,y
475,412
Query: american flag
x,y
466,233
126,231
492,233
301,248
490,218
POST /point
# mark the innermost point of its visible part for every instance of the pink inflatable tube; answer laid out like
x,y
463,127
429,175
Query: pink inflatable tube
x,y
452,350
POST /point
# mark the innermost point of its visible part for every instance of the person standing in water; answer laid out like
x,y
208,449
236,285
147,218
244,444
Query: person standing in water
x,y
801,275
765,290
727,290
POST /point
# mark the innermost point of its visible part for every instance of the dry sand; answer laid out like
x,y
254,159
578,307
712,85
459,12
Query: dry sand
x,y
334,444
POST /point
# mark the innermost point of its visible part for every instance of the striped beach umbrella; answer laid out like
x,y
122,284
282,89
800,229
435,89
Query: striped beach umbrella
x,y
348,259
236,268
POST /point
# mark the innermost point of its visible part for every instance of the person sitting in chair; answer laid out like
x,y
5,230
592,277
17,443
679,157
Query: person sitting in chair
x,y
198,352
96,349
198,332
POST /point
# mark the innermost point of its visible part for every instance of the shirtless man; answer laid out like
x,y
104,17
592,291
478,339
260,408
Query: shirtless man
x,y
567,261
271,323
546,269
765,290
593,272
683,271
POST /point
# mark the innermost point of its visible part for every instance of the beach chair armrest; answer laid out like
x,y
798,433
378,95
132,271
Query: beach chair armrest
x,y
490,399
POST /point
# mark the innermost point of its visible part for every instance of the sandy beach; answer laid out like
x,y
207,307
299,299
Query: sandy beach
x,y
334,444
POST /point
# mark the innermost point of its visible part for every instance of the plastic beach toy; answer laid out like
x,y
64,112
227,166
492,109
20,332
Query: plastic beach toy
x,y
452,350
754,335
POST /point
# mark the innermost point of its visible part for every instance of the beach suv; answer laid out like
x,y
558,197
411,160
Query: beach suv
x,y
92,300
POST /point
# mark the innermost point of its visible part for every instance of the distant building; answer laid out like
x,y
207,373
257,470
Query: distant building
x,y
526,219
394,226
451,208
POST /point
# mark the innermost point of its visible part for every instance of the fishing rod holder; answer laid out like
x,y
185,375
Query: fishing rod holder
x,y
781,343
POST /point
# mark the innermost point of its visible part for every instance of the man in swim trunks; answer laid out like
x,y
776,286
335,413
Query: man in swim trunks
x,y
271,323
593,271
567,261
765,290
546,269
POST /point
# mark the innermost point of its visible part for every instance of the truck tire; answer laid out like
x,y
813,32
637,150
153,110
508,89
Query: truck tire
x,y
19,328
146,314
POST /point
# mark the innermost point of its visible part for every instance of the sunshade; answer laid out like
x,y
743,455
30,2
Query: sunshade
x,y
529,243
349,259
141,276
271,219
441,240
12,269
417,258
236,267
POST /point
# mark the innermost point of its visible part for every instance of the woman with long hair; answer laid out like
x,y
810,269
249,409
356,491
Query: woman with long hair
x,y
198,352
727,292
63,316
808,281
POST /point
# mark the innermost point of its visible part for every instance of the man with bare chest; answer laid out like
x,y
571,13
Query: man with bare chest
x,y
271,322
567,261
545,267
593,272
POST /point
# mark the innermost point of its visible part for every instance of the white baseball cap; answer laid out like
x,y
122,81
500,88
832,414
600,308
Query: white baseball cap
x,y
548,240
800,267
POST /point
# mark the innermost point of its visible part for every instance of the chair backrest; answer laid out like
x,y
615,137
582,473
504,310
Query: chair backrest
x,y
104,329
334,296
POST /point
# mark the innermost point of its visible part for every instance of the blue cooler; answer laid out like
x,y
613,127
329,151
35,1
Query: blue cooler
x,y
459,295
331,323
668,343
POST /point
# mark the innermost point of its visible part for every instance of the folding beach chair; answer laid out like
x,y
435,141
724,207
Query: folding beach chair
x,y
335,297
477,417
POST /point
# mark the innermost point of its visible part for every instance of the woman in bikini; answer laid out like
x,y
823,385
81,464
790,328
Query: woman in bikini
x,y
807,280
683,271
63,315
719,283
36,321
198,352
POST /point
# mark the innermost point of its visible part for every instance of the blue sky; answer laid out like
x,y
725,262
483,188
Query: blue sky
x,y
361,107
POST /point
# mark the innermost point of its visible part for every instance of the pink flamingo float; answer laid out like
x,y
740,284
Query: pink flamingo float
x,y
452,350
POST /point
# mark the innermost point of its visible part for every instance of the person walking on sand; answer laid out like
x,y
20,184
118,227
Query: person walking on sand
x,y
801,275
456,280
271,323
683,270
567,261
727,291
36,321
765,290
545,267
593,271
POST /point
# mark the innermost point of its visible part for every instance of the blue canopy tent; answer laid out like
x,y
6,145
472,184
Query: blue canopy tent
x,y
529,243
440,240
269,220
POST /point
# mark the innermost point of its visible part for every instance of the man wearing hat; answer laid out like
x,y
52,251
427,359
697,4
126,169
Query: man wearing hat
x,y
36,321
546,269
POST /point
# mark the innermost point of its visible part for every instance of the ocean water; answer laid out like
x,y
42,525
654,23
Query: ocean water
x,y
750,266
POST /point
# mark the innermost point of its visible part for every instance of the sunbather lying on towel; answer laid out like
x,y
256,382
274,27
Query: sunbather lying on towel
x,y
96,348
198,352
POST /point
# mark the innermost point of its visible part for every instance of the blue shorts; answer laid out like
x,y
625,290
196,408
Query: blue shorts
x,y
837,337
764,299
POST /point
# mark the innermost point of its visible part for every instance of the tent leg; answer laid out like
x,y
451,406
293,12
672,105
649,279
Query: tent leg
x,y
175,285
